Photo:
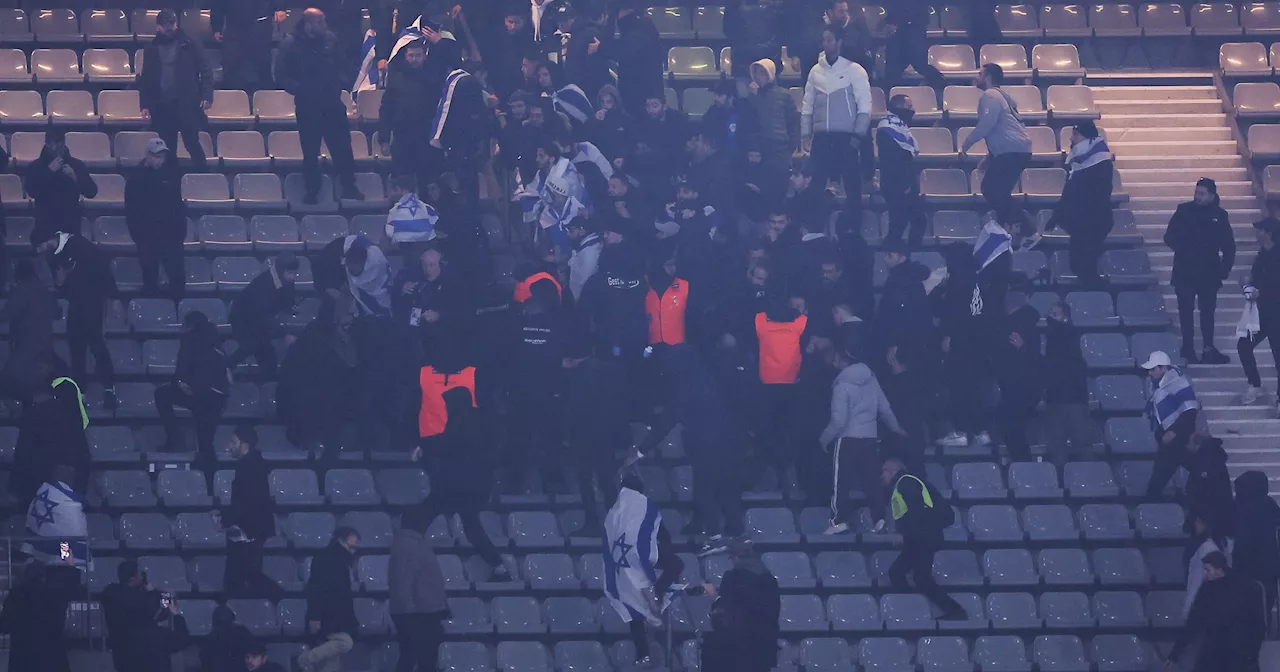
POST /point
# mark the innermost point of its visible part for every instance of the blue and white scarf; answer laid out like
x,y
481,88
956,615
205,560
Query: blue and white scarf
x,y
1087,154
992,242
896,129
412,33
573,102
56,516
553,200
631,555
1170,398
368,77
411,221
446,102
372,288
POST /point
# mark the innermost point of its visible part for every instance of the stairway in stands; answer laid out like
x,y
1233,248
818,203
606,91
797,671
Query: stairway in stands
x,y
1165,138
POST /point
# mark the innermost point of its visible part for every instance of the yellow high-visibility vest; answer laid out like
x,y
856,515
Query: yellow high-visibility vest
x,y
84,414
898,505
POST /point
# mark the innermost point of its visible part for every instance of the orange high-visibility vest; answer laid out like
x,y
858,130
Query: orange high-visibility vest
x,y
524,288
433,415
779,349
666,313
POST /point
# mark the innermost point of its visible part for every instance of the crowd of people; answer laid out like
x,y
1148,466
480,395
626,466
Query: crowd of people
x,y
671,271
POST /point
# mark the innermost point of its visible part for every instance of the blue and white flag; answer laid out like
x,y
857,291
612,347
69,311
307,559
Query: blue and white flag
x,y
369,75
892,126
412,33
411,221
446,102
992,242
555,198
1170,398
1087,154
372,288
572,101
57,516
631,556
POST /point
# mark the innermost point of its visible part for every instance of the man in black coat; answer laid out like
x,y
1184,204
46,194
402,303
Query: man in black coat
x,y
244,29
920,515
309,66
900,172
1016,358
1208,483
902,319
199,385
253,313
144,625
1066,387
1084,210
331,612
249,519
52,433
1256,529
1228,617
84,279
157,219
56,181
175,87
403,130
1204,250
744,617
907,24
1263,291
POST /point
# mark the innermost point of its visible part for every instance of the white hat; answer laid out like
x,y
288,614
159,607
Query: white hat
x,y
156,145
1157,358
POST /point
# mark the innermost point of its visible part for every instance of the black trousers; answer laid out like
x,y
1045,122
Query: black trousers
x,y
412,154
206,408
244,577
669,567
1244,348
1012,415
169,119
910,47
535,442
253,341
1168,460
906,217
856,461
1084,248
836,155
85,335
246,56
1188,297
717,486
175,269
450,498
998,182
327,123
778,428
419,637
916,561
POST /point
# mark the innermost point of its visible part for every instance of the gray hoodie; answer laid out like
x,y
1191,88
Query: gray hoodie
x,y
414,576
999,125
856,403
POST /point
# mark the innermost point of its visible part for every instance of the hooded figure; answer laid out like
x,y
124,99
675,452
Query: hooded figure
x,y
1208,483
225,647
1084,210
55,182
777,121
1204,250
1256,524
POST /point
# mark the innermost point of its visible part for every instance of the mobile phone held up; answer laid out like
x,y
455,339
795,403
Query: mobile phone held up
x,y
64,550
166,599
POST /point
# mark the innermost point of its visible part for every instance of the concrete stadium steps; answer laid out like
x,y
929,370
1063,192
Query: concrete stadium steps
x,y
1165,138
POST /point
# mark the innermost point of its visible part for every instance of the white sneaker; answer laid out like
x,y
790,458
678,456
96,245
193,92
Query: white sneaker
x,y
879,526
982,439
1252,395
954,440
837,528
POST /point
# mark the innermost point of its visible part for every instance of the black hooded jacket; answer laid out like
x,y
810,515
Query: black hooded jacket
x,y
311,69
154,209
1203,244
1257,526
192,79
696,401
1065,372
1209,484
56,196
329,597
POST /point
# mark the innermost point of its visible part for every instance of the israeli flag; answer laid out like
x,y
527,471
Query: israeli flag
x,y
992,242
56,515
411,221
411,33
630,556
1170,398
369,76
572,101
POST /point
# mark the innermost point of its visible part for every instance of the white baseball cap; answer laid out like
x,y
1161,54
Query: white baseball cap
x,y
1157,358
156,146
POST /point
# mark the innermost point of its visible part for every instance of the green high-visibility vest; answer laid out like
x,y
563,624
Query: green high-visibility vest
x,y
898,505
84,414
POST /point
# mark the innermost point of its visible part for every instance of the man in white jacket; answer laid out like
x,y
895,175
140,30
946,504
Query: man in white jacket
x,y
857,403
835,116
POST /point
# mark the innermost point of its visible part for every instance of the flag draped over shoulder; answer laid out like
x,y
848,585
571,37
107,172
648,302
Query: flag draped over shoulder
x,y
1087,154
56,515
894,127
411,221
555,198
1170,398
992,242
631,555
408,34
369,77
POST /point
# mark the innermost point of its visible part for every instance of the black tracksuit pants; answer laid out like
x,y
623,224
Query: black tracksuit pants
x,y
326,123
916,561
85,335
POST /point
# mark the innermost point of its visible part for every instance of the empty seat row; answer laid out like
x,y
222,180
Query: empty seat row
x,y
120,107
954,186
947,226
1248,59
1125,20
1256,100
235,150
106,25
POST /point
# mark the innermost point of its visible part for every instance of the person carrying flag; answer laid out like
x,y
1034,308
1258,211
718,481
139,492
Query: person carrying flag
x,y
1084,210
900,172
554,196
640,566
1173,411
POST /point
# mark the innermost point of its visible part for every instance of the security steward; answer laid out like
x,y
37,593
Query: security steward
x,y
779,331
920,514
435,380
524,288
666,304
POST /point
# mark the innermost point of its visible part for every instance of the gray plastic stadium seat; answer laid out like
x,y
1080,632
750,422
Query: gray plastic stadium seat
x,y
1001,653
1105,522
130,146
1064,21
1264,142
131,489
1257,100
52,66
258,192
1066,611
183,488
206,572
1049,522
13,67
76,108
792,569
1043,186
1106,351
1120,566
1092,309
1164,607
320,230
22,108
1065,567
273,106
570,615
110,193
1129,436
1070,103
995,523
224,233
551,571
535,529
274,232
957,568
235,273
292,617
1261,18
1030,106
1012,58
1034,480
1243,59
309,529
108,444
145,531
371,572
1060,653
402,486
119,108
1142,309
295,189
1114,21
955,225
285,148
207,191
906,612
1217,19
232,107
954,61
945,186
243,150
854,613
978,480
165,573
56,25
350,487
774,525
1159,521
581,657
826,654
842,569
1013,611
374,527
103,573
943,654
465,656
1134,477
214,309
102,66
283,570
523,657
885,654
517,615
102,532
1119,609
372,616
692,63
1018,22
937,145
1119,653
1120,393
1009,567
803,613
296,487
111,232
1090,480
1131,267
